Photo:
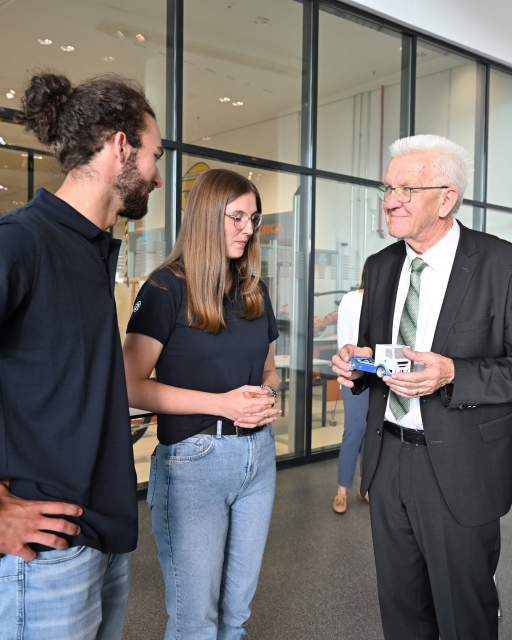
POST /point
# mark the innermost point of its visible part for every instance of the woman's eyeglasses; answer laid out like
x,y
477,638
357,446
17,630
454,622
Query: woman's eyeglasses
x,y
241,219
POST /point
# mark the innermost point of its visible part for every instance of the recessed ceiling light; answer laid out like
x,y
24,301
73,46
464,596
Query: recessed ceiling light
x,y
9,95
4,188
45,41
207,138
2,141
67,48
109,58
140,37
237,104
224,99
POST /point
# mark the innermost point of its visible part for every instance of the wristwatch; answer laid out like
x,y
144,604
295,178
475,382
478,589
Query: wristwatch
x,y
271,389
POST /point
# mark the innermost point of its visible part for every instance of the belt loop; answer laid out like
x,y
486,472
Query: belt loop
x,y
402,434
219,428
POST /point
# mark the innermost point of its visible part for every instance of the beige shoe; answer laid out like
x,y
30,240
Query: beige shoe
x,y
361,497
340,504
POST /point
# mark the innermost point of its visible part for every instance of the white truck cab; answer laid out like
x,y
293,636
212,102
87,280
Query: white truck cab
x,y
392,357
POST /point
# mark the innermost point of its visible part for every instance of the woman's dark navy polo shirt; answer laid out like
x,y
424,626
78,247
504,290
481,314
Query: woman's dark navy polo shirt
x,y
64,420
194,359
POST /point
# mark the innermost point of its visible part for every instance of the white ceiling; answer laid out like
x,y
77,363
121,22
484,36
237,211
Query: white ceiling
x,y
247,50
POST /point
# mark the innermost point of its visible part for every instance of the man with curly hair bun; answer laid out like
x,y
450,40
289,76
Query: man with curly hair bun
x,y
68,508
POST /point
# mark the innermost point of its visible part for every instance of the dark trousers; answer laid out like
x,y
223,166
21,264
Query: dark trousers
x,y
434,576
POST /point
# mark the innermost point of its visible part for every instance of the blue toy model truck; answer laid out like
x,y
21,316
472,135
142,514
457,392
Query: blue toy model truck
x,y
389,359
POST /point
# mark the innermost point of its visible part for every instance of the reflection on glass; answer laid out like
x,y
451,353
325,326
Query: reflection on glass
x,y
47,174
499,223
446,97
500,139
468,216
143,249
358,95
13,180
243,77
122,37
284,273
350,226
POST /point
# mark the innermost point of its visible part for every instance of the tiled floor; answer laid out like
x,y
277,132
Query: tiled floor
x,y
318,579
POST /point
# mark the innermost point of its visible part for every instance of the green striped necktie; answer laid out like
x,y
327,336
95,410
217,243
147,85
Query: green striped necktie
x,y
407,333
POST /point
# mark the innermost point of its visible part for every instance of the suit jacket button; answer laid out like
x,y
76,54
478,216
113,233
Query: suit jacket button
x,y
385,395
378,432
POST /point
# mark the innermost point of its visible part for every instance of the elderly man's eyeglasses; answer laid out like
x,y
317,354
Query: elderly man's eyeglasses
x,y
402,194
241,219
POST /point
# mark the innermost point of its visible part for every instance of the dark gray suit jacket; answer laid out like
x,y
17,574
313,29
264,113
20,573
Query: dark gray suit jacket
x,y
470,436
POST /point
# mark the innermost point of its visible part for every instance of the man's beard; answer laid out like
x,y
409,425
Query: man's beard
x,y
133,189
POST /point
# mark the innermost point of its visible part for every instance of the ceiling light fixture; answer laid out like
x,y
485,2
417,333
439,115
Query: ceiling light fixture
x,y
2,141
237,104
119,34
45,41
224,99
140,37
109,58
67,48
9,95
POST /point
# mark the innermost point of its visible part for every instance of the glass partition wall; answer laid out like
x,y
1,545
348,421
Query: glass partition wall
x,y
301,96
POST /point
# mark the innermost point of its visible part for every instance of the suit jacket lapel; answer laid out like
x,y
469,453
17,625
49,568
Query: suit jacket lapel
x,y
460,277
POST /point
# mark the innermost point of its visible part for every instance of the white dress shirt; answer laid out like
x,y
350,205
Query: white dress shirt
x,y
349,313
434,280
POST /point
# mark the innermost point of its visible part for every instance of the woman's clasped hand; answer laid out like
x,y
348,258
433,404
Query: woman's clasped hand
x,y
250,406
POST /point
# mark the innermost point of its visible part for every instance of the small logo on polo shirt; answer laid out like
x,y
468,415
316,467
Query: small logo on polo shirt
x,y
136,306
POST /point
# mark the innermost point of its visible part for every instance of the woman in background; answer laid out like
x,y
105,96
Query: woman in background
x,y
355,407
206,324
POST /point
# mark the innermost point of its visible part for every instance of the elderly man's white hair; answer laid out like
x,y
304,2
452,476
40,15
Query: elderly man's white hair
x,y
453,165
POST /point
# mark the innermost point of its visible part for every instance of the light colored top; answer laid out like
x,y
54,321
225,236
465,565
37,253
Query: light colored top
x,y
349,313
434,280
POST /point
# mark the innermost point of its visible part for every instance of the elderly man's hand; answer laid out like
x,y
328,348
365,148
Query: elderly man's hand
x,y
340,363
438,372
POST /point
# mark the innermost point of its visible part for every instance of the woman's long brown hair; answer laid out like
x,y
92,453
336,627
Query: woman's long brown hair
x,y
199,256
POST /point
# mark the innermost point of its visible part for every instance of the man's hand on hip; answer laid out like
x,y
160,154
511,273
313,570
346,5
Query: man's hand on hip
x,y
26,521
438,372
340,363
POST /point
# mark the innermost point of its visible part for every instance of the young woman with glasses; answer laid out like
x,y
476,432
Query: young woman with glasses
x,y
205,323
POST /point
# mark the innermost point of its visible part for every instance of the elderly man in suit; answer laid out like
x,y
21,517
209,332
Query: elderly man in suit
x,y
438,453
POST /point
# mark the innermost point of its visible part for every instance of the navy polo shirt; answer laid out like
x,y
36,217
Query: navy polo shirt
x,y
194,359
64,419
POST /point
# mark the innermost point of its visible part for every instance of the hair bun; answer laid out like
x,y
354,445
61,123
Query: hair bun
x,y
42,103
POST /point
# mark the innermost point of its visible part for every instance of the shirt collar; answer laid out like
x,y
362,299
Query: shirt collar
x,y
65,214
438,256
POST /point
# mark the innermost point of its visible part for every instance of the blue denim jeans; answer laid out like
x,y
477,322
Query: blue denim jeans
x,y
75,594
211,499
354,430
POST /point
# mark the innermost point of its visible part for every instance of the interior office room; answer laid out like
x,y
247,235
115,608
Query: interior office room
x,y
303,97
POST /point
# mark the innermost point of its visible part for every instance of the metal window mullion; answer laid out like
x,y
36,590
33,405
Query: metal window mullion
x,y
30,176
310,44
174,120
408,86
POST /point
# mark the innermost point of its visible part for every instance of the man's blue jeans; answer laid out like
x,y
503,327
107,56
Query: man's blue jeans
x,y
75,594
211,499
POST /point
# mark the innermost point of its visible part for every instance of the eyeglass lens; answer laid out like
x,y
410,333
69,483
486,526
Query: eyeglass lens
x,y
241,220
403,194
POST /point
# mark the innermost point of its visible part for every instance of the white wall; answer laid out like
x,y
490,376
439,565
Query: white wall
x,y
472,24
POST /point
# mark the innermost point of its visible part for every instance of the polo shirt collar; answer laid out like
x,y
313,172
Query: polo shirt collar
x,y
441,254
65,214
